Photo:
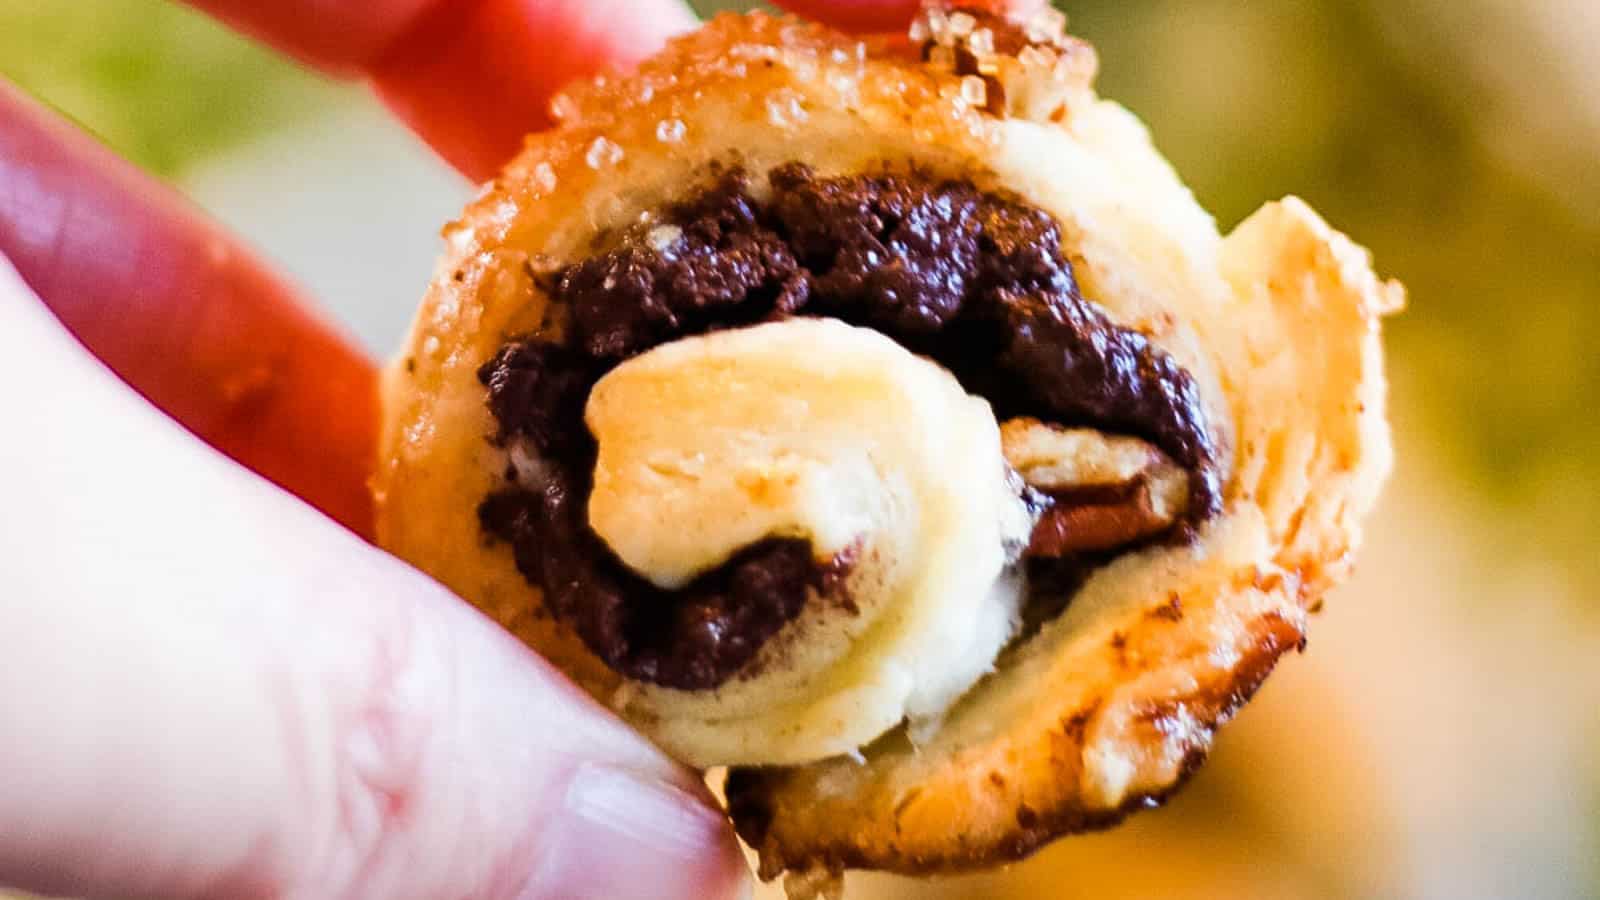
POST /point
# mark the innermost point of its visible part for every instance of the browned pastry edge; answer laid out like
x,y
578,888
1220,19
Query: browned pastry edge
x,y
755,796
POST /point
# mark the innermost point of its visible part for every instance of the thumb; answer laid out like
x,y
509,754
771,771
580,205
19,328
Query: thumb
x,y
220,693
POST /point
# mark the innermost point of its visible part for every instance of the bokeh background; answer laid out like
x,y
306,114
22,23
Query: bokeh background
x,y
1441,736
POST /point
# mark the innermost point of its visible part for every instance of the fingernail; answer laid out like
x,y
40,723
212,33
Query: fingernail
x,y
621,835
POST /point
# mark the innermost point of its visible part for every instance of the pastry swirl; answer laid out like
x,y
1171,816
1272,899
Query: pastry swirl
x,y
886,420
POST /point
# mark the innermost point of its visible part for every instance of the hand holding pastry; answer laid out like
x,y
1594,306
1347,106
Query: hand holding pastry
x,y
880,418
211,690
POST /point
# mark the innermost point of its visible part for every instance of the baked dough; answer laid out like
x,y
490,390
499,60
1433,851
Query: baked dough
x,y
1107,707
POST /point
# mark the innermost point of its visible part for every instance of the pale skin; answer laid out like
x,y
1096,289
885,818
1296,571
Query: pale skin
x,y
212,685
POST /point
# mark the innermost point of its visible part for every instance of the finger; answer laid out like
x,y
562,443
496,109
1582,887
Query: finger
x,y
222,694
479,79
891,15
184,313
472,78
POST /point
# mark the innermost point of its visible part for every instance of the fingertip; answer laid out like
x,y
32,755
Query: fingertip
x,y
623,834
864,16
875,16
473,79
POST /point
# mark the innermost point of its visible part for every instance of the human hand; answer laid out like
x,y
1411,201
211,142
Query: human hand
x,y
210,689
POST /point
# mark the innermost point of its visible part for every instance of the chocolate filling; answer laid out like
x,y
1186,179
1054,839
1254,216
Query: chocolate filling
x,y
976,281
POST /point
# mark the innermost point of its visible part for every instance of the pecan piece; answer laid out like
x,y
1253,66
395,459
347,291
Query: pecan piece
x,y
1100,491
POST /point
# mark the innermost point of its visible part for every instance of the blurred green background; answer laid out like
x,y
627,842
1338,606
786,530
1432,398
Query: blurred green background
x,y
1442,737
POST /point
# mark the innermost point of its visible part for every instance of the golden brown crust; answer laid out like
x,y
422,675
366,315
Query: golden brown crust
x,y
777,811
1109,708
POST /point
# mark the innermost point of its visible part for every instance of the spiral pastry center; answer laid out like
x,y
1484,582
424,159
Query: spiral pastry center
x,y
805,428
769,403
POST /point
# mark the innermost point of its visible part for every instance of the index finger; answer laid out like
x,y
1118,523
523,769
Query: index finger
x,y
889,15
472,77
185,313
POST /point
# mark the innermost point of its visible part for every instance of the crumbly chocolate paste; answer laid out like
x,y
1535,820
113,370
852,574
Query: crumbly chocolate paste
x,y
973,280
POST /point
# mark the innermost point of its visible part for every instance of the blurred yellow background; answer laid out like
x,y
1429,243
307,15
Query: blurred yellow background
x,y
1441,736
